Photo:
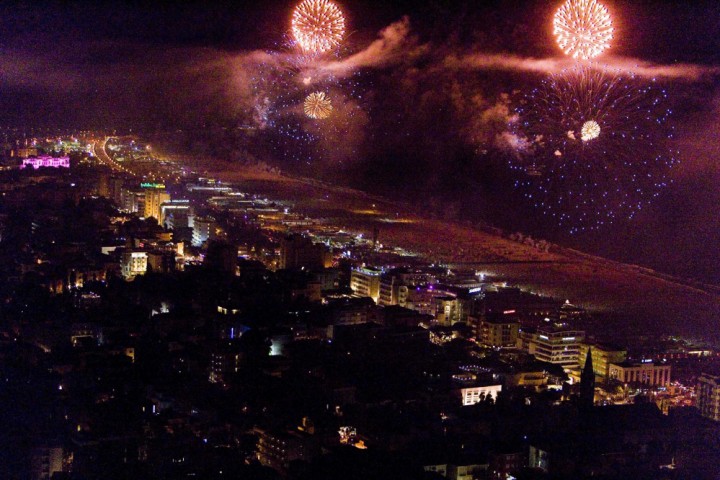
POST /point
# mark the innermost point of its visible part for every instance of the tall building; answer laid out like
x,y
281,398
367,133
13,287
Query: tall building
x,y
708,396
203,230
498,331
602,356
554,343
154,198
297,251
365,282
45,461
393,291
132,200
448,310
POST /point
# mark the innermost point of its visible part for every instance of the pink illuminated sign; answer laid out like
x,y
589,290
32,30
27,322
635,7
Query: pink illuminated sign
x,y
46,161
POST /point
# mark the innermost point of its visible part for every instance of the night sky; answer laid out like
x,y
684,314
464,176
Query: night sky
x,y
427,92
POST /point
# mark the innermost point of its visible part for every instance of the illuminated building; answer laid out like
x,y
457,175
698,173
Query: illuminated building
x,y
175,213
646,373
393,291
224,361
602,356
554,343
422,299
298,252
527,377
203,230
449,310
153,200
278,449
46,161
365,282
476,394
133,264
708,396
498,331
45,461
570,312
208,188
25,152
132,200
439,469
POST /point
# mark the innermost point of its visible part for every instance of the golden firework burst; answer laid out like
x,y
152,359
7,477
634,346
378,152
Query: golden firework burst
x,y
318,25
318,106
583,28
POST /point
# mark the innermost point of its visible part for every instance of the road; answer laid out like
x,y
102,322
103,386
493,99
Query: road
x,y
100,152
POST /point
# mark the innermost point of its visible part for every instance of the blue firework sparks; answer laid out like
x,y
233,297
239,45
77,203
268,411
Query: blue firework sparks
x,y
280,87
597,147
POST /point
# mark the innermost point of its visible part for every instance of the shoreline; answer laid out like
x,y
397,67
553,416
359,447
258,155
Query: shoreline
x,y
652,299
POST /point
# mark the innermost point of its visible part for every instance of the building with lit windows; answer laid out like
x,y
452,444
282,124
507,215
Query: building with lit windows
x,y
132,200
498,331
45,461
365,282
25,152
475,394
602,356
393,291
708,396
133,264
448,310
154,198
203,230
278,449
554,343
647,373
46,161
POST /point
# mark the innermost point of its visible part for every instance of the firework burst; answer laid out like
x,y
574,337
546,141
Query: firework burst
x,y
283,130
590,131
318,106
583,28
318,26
600,147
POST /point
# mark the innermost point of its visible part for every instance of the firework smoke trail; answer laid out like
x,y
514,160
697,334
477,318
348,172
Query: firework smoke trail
x,y
597,147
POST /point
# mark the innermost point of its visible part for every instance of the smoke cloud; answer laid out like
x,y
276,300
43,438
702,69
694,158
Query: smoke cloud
x,y
482,61
394,46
